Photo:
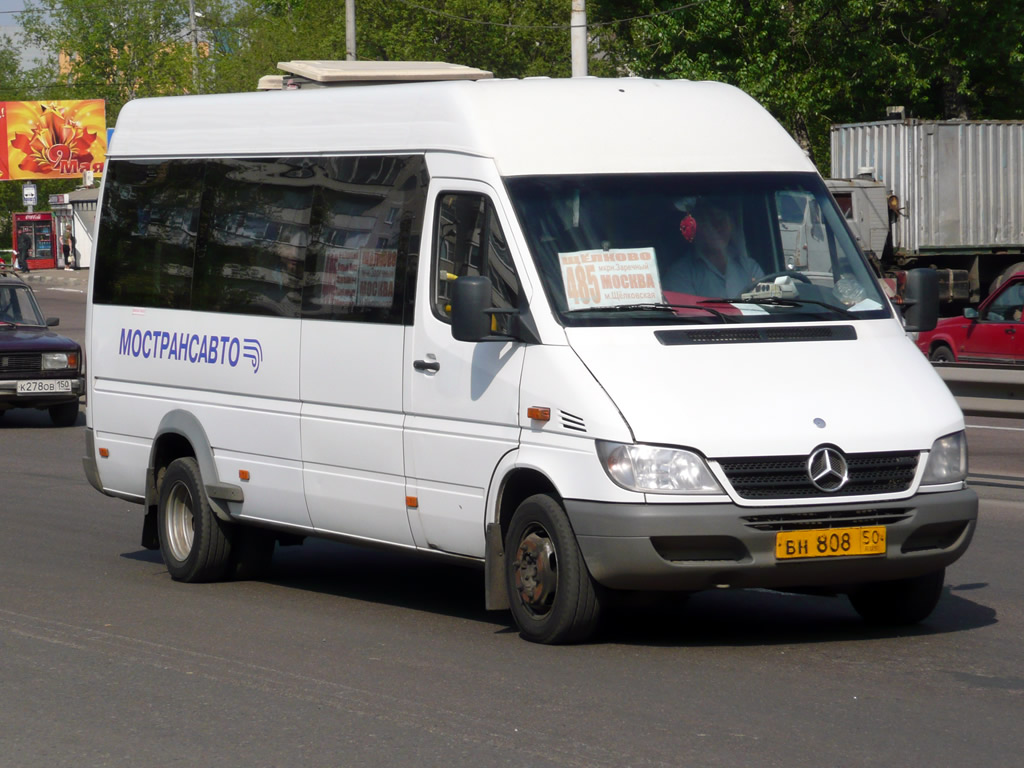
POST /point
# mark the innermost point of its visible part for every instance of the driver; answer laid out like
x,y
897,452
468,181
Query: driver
x,y
718,264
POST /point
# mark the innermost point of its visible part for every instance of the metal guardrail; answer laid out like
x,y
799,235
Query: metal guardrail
x,y
985,390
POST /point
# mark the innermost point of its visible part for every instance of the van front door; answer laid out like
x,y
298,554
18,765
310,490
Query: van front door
x,y
461,398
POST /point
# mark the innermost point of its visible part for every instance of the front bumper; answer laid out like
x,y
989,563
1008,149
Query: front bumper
x,y
691,547
9,397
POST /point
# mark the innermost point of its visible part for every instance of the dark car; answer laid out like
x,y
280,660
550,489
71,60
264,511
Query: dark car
x,y
992,333
39,368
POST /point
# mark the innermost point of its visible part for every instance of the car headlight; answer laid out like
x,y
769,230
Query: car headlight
x,y
651,469
59,361
947,460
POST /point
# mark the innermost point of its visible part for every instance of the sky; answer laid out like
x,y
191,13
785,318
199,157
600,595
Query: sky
x,y
9,27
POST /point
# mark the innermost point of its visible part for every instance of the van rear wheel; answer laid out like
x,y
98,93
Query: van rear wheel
x,y
551,594
901,602
194,542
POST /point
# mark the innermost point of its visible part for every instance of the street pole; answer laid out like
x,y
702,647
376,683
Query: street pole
x,y
350,30
194,33
578,36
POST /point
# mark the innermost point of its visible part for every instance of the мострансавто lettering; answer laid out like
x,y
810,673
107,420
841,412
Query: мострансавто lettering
x,y
190,347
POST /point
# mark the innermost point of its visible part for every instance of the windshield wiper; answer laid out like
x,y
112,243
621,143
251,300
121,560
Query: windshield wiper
x,y
8,324
652,307
776,301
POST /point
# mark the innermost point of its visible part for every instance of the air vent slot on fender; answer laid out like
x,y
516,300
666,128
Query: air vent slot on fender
x,y
575,423
757,335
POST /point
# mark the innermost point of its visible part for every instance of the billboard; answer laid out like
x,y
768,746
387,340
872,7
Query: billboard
x,y
52,139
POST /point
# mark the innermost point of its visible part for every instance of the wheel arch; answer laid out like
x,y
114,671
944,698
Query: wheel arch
x,y
516,485
180,434
942,341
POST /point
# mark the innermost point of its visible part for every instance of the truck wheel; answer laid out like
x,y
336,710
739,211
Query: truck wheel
x,y
551,594
63,415
942,354
194,542
901,602
1005,275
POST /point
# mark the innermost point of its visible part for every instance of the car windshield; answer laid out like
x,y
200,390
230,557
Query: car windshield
x,y
670,248
18,307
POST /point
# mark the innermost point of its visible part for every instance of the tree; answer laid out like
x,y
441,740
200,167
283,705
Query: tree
x,y
521,39
121,51
815,62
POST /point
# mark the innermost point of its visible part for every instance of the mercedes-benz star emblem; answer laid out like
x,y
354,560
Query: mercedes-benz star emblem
x,y
827,469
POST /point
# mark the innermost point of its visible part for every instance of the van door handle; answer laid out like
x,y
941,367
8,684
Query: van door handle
x,y
426,365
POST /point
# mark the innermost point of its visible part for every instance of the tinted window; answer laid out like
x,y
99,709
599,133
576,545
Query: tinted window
x,y
329,238
253,236
361,259
147,235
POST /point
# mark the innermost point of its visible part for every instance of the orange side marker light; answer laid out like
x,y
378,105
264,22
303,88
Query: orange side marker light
x,y
539,413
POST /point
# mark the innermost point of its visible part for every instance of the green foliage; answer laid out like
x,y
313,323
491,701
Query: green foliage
x,y
810,62
120,51
817,62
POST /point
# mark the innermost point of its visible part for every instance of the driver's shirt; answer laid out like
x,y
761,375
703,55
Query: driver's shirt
x,y
695,275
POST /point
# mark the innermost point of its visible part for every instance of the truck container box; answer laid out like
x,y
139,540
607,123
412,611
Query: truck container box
x,y
960,184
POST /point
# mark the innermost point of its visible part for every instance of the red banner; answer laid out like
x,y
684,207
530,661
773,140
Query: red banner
x,y
52,139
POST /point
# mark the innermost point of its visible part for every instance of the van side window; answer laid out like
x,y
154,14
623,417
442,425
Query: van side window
x,y
332,238
147,233
470,241
253,234
367,221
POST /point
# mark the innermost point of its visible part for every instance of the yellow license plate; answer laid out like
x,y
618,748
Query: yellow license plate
x,y
830,542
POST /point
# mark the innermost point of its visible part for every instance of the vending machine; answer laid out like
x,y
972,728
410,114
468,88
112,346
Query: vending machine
x,y
35,239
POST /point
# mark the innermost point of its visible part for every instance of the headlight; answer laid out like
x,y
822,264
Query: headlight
x,y
947,461
650,469
59,361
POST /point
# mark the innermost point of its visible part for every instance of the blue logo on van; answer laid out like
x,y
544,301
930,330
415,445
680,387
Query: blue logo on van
x,y
191,348
253,350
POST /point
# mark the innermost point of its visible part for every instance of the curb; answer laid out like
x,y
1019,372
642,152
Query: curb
x,y
53,278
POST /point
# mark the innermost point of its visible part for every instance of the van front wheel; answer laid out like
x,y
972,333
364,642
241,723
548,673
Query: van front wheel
x,y
551,594
194,542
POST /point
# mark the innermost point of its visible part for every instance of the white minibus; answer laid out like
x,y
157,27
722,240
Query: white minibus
x,y
561,329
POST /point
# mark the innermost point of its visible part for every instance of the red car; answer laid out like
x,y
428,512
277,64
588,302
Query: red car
x,y
992,333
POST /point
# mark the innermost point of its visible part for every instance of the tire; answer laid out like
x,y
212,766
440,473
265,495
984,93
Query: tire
x,y
194,542
942,354
64,415
252,553
899,603
551,594
1004,275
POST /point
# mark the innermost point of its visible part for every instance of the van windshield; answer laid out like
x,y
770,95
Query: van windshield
x,y
693,248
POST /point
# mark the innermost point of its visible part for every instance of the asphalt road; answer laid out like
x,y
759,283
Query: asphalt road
x,y
346,657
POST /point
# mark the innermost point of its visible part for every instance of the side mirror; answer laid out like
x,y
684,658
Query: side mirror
x,y
971,313
471,300
921,300
52,321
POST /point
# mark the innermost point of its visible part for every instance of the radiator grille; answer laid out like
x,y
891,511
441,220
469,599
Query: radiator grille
x,y
785,477
16,365
801,521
